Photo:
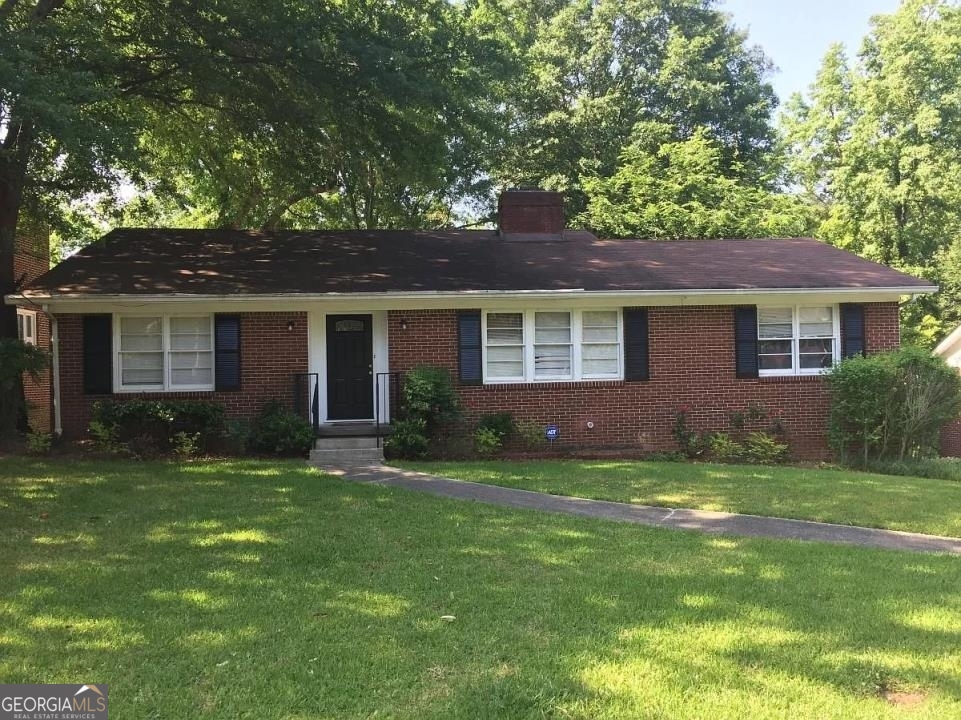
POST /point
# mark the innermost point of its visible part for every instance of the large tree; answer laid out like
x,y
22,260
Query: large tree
x,y
595,69
877,143
237,111
675,189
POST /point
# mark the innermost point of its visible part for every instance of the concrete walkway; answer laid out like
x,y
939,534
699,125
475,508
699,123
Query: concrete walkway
x,y
701,520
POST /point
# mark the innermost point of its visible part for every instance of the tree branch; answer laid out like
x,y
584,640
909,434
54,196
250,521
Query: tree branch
x,y
295,197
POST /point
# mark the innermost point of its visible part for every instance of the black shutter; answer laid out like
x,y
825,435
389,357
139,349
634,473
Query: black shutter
x,y
745,341
636,355
227,352
97,354
469,347
852,329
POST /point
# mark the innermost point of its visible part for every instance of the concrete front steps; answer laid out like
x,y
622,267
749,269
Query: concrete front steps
x,y
347,451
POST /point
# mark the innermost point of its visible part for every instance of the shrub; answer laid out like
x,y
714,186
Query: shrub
x,y
692,443
408,439
500,423
39,443
278,431
145,427
487,441
236,435
105,438
891,405
724,448
529,433
763,449
429,396
185,445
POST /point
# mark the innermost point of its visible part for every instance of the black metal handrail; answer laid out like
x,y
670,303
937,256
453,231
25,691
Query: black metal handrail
x,y
307,397
387,389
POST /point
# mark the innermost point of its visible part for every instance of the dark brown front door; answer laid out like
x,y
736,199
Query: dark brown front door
x,y
350,367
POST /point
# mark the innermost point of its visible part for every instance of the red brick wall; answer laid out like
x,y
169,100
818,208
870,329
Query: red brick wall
x,y
951,439
32,259
692,364
270,355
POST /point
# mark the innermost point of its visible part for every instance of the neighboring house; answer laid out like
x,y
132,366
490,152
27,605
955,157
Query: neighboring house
x,y
605,338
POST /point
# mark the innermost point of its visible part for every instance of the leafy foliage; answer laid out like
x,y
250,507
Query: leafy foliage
x,y
16,359
278,431
891,405
149,427
678,189
592,71
430,407
876,144
408,439
429,395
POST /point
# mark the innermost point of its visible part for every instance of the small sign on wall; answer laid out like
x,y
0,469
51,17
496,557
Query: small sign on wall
x,y
552,432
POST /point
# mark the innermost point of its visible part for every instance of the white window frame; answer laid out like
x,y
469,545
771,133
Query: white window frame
x,y
577,344
796,339
27,338
167,386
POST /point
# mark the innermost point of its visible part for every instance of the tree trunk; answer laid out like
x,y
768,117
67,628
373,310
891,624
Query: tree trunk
x,y
14,156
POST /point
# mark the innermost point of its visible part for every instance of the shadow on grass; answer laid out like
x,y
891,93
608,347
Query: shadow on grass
x,y
222,589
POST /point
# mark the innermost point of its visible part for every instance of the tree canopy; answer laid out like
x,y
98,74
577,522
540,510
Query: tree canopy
x,y
876,144
654,117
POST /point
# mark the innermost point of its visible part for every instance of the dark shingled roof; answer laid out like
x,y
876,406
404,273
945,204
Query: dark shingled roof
x,y
227,262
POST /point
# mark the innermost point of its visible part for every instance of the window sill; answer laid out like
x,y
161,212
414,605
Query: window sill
x,y
547,384
161,391
793,376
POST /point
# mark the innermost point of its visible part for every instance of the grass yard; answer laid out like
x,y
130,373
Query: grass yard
x,y
257,589
837,496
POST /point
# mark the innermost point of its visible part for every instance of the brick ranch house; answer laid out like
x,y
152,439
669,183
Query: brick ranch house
x,y
604,338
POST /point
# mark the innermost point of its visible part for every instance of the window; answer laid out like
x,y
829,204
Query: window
x,y
552,345
164,352
796,340
600,344
542,345
505,346
27,326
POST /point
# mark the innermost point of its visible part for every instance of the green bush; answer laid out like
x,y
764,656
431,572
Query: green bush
x,y
186,445
724,448
105,438
500,423
692,443
39,443
763,449
236,435
429,396
488,441
891,405
408,439
147,427
278,431
530,434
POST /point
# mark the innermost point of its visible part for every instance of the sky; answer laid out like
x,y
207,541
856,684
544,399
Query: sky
x,y
796,34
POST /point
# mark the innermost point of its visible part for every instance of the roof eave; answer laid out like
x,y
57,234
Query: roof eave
x,y
33,298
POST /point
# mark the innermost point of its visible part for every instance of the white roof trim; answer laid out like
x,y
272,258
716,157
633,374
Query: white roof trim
x,y
30,298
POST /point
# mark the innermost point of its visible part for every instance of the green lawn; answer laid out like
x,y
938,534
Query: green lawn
x,y
256,589
837,496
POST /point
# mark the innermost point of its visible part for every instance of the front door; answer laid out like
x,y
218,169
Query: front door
x,y
350,367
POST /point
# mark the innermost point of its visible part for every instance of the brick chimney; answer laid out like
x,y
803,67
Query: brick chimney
x,y
531,212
